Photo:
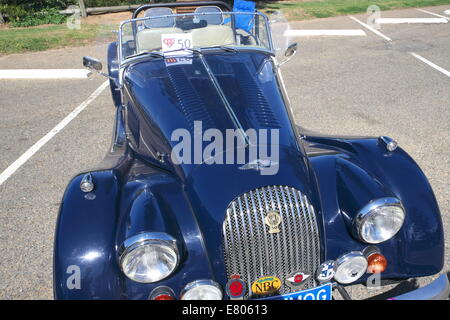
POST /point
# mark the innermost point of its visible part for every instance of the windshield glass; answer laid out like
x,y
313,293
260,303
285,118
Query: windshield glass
x,y
172,34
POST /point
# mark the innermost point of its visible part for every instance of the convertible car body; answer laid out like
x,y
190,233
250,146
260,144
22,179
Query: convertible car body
x,y
210,191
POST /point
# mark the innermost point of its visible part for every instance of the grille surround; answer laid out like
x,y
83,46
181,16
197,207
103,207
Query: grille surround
x,y
252,252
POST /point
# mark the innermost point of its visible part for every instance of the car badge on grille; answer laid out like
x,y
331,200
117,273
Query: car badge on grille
x,y
273,220
236,288
258,165
296,279
266,285
326,271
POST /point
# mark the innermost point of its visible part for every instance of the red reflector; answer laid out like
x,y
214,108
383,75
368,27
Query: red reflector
x,y
164,297
236,288
377,263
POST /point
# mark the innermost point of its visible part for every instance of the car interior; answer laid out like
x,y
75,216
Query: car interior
x,y
207,30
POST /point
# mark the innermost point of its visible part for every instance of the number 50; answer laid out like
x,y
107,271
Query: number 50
x,y
184,43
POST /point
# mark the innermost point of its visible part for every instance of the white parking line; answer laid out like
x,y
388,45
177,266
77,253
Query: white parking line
x,y
320,32
432,13
431,64
410,20
378,33
447,12
44,74
35,148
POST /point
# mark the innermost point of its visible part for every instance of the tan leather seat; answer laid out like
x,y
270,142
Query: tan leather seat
x,y
150,39
212,35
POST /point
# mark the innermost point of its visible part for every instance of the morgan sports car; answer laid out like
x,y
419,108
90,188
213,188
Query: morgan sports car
x,y
210,191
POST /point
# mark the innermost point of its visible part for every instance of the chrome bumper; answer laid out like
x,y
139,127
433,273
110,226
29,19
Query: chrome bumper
x,y
439,289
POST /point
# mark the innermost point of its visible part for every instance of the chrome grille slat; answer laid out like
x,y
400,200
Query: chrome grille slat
x,y
298,211
238,237
296,227
260,237
275,237
252,252
316,233
252,243
271,266
248,255
232,257
283,226
310,222
292,252
307,245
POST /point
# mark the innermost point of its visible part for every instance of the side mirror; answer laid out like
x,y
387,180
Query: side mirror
x,y
289,53
291,50
96,65
92,63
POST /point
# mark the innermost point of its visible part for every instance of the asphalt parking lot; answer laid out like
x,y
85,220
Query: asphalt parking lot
x,y
349,85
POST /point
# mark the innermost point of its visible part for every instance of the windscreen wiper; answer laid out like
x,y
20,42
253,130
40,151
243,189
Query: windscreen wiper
x,y
224,48
151,54
225,101
184,49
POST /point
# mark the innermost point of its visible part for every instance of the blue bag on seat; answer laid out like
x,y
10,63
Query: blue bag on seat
x,y
243,21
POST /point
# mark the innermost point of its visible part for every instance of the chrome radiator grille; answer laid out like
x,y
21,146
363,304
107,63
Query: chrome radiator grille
x,y
252,252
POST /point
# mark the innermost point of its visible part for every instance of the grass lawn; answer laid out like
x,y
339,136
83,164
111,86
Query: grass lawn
x,y
16,40
308,9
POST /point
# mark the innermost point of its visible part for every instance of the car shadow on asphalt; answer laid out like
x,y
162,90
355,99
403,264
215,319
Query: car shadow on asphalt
x,y
401,288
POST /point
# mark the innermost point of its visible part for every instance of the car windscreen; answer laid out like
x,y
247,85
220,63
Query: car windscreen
x,y
178,33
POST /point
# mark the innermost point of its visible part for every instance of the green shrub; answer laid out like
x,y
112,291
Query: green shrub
x,y
30,13
13,11
38,5
110,3
45,16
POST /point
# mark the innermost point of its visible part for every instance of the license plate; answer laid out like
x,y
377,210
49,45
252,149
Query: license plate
x,y
322,292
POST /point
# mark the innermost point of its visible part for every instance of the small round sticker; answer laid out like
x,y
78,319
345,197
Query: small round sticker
x,y
235,288
326,271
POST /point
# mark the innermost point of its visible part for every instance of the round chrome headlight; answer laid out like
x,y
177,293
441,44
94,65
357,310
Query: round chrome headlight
x,y
380,220
202,290
149,257
350,267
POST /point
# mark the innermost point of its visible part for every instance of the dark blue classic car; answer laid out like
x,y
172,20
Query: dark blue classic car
x,y
210,190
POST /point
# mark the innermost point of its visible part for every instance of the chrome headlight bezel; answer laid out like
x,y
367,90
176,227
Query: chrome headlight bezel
x,y
372,208
148,238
